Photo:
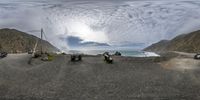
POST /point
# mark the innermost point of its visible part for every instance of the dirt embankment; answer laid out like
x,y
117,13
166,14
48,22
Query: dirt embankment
x,y
181,61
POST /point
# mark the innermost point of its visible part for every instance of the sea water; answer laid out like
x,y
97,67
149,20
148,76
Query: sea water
x,y
127,53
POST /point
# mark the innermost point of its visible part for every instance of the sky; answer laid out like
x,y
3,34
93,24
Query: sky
x,y
116,24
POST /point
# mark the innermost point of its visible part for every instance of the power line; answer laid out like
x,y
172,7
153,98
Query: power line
x,y
45,36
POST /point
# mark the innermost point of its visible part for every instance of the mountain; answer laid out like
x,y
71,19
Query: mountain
x,y
184,43
14,41
160,46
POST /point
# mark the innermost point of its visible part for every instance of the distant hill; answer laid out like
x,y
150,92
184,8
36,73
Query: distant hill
x,y
184,43
14,41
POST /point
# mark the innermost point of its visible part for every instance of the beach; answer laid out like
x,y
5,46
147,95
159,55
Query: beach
x,y
128,78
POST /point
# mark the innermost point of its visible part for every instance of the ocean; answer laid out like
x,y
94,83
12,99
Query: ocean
x,y
127,53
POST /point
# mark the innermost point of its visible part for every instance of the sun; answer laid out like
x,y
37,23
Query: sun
x,y
85,32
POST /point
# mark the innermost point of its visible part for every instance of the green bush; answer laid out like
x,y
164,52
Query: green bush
x,y
50,57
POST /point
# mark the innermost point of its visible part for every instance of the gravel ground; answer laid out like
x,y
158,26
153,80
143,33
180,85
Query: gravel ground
x,y
93,79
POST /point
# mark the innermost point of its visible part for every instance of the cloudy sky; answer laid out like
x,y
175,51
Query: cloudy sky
x,y
70,24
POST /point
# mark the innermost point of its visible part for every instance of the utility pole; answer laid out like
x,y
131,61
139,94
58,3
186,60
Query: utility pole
x,y
41,40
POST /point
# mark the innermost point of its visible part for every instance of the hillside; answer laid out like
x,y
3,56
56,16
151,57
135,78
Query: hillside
x,y
184,43
14,41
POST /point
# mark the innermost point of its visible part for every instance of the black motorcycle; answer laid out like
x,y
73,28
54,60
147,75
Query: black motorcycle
x,y
108,58
76,57
197,56
3,54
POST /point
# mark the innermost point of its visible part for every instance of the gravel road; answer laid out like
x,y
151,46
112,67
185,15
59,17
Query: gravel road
x,y
93,79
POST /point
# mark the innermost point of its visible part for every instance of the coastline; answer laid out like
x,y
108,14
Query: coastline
x,y
125,53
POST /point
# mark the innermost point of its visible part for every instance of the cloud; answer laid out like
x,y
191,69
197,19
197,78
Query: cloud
x,y
75,42
85,32
112,22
